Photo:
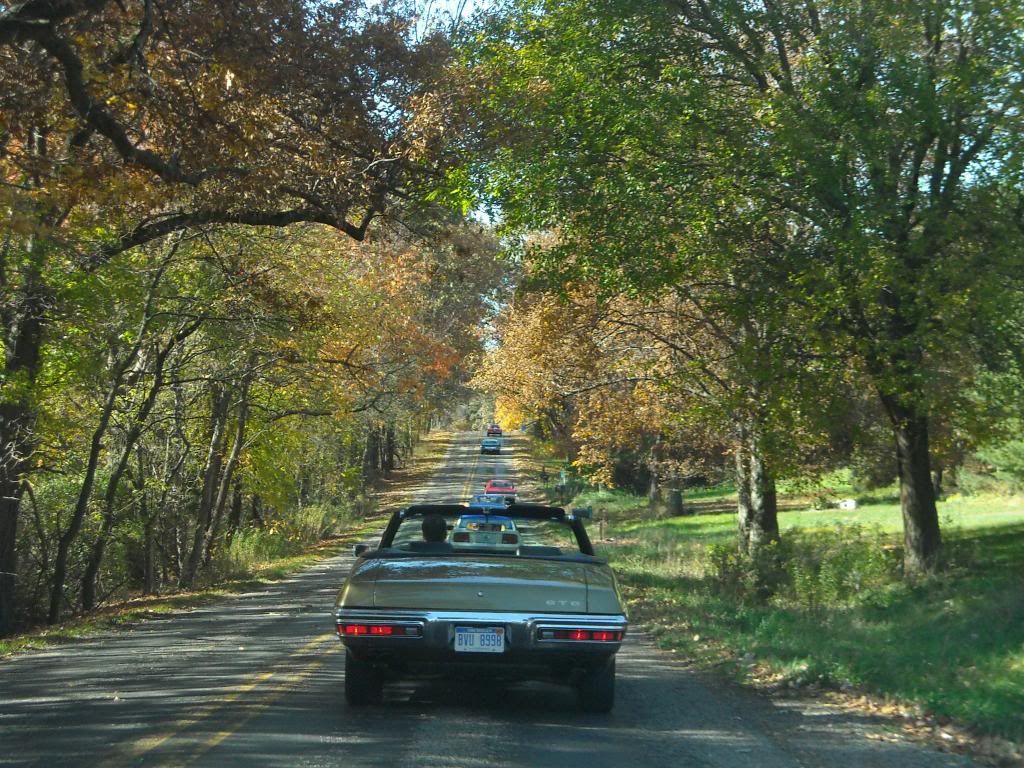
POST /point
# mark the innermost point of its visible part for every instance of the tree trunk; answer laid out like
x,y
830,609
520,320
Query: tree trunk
x,y
224,487
118,376
758,514
60,562
390,449
23,318
147,515
922,541
131,439
211,476
255,513
653,490
17,445
235,515
371,456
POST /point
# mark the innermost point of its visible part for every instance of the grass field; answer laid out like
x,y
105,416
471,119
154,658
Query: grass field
x,y
833,611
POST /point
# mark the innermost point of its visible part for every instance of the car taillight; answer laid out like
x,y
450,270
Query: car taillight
x,y
378,630
460,537
509,538
354,630
582,635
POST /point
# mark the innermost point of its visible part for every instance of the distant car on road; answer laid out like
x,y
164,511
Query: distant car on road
x,y
491,533
544,609
490,502
494,430
506,487
490,445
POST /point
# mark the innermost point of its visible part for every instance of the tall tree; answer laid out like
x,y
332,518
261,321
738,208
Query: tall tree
x,y
882,137
124,122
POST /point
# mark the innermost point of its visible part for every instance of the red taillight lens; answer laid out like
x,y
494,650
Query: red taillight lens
x,y
509,538
460,537
354,630
379,630
582,635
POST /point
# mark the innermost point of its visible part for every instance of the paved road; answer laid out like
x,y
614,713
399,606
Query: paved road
x,y
257,680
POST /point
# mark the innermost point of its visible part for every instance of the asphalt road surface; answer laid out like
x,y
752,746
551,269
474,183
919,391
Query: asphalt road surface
x,y
257,680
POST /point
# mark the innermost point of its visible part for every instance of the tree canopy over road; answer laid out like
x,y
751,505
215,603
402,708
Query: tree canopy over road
x,y
176,369
240,273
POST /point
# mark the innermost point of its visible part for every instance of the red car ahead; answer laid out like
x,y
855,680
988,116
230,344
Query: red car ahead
x,y
506,487
494,431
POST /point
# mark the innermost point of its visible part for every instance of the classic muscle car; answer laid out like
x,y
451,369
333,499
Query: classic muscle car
x,y
492,502
485,530
549,609
498,485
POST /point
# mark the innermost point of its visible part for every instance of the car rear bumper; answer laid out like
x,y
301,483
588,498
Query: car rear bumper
x,y
424,641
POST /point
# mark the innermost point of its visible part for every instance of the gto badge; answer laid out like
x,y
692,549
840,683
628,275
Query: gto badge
x,y
563,603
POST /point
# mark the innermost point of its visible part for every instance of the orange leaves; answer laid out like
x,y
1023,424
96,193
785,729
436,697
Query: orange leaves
x,y
220,113
615,372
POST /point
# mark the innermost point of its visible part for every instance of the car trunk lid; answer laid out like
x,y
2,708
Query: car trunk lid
x,y
485,584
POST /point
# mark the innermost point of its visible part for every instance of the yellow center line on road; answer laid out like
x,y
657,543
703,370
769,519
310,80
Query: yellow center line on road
x,y
265,700
143,746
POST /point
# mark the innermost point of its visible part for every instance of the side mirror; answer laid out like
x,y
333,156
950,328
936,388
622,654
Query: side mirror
x,y
583,513
359,549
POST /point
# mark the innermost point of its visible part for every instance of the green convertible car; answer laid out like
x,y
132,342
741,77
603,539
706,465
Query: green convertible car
x,y
545,609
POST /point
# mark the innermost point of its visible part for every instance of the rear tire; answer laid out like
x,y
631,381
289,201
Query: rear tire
x,y
596,688
363,684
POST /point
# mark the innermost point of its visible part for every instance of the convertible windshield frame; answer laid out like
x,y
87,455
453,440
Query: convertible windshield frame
x,y
540,512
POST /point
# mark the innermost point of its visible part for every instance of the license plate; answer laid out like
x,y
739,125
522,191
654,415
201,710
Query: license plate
x,y
480,639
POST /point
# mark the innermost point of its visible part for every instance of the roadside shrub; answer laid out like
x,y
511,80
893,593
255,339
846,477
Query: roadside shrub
x,y
810,571
747,576
836,568
250,549
1006,464
312,523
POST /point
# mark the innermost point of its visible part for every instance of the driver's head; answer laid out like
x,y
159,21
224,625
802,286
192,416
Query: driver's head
x,y
434,528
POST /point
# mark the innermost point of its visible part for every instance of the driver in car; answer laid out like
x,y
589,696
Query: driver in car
x,y
434,528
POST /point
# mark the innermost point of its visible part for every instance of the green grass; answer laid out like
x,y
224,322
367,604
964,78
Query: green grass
x,y
838,614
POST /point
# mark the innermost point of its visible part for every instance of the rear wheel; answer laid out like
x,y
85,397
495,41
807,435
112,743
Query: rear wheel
x,y
596,688
363,684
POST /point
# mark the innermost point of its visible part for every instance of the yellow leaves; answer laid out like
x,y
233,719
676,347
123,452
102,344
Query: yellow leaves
x,y
510,413
605,366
